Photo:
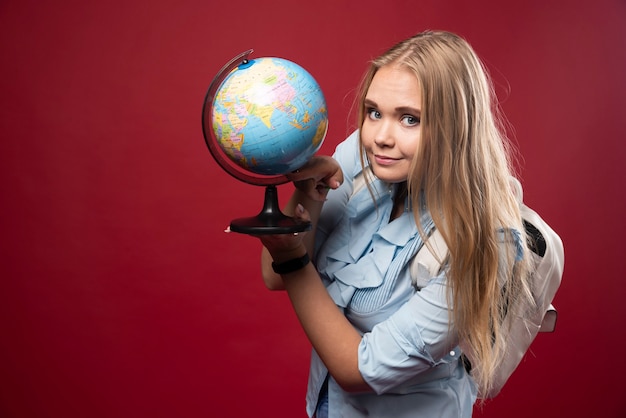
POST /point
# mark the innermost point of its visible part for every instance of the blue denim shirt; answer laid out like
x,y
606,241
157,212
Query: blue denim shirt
x,y
408,354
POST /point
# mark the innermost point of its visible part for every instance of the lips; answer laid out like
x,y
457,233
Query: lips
x,y
384,160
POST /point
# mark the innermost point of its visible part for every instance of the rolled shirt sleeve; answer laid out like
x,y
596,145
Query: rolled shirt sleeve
x,y
403,350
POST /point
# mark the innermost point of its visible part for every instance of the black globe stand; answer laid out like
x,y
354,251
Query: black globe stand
x,y
270,220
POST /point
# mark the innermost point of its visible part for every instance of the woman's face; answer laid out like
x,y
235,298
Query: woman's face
x,y
391,130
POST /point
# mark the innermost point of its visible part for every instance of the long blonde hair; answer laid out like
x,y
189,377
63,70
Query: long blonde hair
x,y
462,170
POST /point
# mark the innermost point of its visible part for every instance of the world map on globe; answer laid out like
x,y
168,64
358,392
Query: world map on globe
x,y
269,116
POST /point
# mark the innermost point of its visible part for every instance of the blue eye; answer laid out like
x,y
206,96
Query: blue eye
x,y
410,120
373,114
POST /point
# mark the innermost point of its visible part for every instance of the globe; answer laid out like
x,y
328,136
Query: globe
x,y
269,116
262,119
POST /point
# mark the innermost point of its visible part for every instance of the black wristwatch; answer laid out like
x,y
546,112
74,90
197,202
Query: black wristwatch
x,y
292,265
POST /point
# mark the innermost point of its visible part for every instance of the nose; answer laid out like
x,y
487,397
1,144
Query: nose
x,y
383,137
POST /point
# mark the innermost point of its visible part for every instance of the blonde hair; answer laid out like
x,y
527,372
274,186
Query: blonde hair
x,y
462,170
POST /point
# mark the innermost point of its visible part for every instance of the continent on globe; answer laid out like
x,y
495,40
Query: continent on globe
x,y
269,116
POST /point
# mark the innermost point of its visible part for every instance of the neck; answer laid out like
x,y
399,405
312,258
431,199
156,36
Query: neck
x,y
399,201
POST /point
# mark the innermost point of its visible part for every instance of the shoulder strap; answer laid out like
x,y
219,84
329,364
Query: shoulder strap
x,y
359,181
428,261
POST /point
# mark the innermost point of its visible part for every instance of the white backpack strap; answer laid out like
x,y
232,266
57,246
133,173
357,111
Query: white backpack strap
x,y
359,181
428,264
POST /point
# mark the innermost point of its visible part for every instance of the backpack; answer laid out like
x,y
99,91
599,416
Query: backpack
x,y
548,257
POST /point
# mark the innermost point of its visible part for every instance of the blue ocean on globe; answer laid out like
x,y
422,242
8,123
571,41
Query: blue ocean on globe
x,y
269,116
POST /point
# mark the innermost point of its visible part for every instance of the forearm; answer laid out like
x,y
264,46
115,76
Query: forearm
x,y
331,334
329,331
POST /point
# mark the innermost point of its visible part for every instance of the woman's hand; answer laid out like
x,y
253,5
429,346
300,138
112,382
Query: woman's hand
x,y
320,174
312,182
284,247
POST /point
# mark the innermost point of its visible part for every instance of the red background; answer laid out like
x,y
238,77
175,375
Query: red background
x,y
120,296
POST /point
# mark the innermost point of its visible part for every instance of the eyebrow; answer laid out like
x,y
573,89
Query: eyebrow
x,y
401,109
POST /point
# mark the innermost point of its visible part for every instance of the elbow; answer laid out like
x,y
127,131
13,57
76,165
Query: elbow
x,y
353,384
356,388
274,283
272,280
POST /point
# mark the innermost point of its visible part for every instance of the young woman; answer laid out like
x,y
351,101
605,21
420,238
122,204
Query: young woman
x,y
387,337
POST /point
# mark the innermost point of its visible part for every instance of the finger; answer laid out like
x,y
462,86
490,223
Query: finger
x,y
301,175
319,168
334,181
305,172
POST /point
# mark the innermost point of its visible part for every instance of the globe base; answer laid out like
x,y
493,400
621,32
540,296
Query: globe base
x,y
270,220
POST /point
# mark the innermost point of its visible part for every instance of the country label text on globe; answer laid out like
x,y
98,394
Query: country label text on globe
x,y
269,116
